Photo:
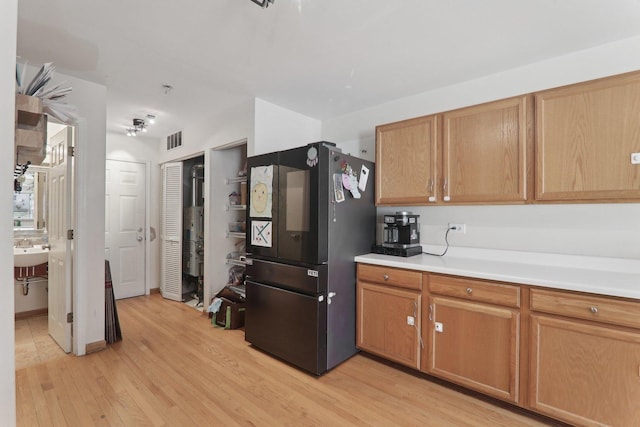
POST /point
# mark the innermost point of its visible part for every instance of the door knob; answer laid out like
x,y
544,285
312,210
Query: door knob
x,y
139,238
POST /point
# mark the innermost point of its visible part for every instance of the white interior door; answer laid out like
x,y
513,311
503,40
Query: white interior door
x,y
125,202
60,221
171,232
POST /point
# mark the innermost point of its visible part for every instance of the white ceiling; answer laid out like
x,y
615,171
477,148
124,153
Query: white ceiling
x,y
321,58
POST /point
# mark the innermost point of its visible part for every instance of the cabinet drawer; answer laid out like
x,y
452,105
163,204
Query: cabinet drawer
x,y
585,306
475,290
390,276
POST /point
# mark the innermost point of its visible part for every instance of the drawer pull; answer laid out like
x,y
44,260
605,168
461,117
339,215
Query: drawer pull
x,y
593,309
469,291
385,277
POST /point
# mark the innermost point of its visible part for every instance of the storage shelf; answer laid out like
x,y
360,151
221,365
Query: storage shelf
x,y
29,109
30,130
235,207
236,235
231,261
235,180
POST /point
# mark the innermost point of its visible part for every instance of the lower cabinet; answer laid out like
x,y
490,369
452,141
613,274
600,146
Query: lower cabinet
x,y
568,355
385,327
585,373
470,342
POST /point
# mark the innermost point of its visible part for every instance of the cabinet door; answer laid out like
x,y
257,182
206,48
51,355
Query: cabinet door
x,y
584,374
585,137
406,159
485,152
475,345
384,322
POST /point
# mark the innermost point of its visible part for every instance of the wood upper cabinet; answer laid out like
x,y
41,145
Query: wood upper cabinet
x,y
471,342
585,372
481,158
385,313
586,137
407,162
485,151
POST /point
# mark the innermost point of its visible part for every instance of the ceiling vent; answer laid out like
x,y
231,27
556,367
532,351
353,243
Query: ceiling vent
x,y
174,141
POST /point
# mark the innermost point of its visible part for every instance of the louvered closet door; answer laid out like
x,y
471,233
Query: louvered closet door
x,y
171,233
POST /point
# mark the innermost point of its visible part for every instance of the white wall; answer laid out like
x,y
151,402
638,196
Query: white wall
x,y
586,229
143,150
277,128
88,301
8,28
266,127
233,125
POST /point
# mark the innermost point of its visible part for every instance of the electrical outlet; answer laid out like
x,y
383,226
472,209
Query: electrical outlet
x,y
439,327
411,321
457,228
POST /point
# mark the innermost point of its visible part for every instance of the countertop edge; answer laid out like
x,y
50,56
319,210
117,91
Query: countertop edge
x,y
601,281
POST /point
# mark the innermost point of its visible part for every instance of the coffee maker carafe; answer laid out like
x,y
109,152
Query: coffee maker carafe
x,y
402,230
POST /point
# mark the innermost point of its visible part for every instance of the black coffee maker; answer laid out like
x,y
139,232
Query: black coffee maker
x,y
401,235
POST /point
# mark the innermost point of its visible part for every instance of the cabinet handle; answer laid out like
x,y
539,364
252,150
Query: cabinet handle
x,y
445,196
593,309
385,277
415,312
469,291
430,312
431,198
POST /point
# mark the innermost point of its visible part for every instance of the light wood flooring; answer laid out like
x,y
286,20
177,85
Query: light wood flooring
x,y
174,369
33,343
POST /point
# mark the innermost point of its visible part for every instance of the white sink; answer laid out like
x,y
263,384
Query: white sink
x,y
26,257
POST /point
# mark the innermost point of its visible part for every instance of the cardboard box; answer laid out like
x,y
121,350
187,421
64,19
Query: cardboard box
x,y
230,315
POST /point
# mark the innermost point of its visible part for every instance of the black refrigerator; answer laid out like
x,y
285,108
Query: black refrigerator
x,y
310,210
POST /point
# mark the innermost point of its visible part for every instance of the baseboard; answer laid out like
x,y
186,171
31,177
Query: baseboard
x,y
154,291
95,346
31,313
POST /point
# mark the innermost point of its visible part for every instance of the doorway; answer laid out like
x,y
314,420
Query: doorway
x,y
182,231
41,325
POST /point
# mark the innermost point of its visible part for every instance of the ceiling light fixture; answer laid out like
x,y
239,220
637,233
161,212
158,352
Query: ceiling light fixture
x,y
263,3
139,125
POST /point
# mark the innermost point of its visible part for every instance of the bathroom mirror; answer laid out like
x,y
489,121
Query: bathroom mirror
x,y
30,203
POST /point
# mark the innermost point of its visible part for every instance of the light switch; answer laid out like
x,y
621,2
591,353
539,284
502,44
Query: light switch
x,y
411,321
635,158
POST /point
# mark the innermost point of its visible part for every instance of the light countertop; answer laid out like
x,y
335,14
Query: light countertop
x,y
599,275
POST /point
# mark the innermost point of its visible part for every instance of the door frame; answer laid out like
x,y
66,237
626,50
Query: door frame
x,y
147,218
